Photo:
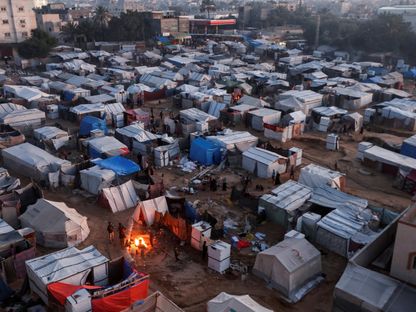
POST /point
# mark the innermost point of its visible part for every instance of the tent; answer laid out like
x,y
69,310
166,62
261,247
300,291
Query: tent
x,y
94,179
156,302
119,198
262,116
235,140
345,230
263,162
56,225
361,290
31,161
89,123
316,176
56,136
70,265
289,266
225,302
408,147
120,165
205,152
146,210
136,138
106,146
283,204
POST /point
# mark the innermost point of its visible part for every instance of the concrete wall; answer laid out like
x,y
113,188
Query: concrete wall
x,y
404,255
370,252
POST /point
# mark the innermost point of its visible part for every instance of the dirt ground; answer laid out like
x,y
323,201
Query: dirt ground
x,y
189,282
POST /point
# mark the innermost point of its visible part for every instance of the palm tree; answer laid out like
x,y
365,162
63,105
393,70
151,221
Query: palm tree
x,y
101,20
69,32
101,16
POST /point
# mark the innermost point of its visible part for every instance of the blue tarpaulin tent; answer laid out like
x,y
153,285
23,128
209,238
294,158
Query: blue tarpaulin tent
x,y
205,152
120,165
410,74
89,123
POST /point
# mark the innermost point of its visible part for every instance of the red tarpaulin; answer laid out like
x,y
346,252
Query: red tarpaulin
x,y
61,291
121,300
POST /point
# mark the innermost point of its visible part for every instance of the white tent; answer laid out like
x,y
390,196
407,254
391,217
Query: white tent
x,y
120,197
70,265
317,176
94,179
31,161
283,204
235,140
289,267
56,136
225,302
56,224
106,146
262,116
262,162
148,208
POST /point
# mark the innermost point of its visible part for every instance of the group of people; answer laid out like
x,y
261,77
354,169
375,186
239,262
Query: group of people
x,y
213,184
121,233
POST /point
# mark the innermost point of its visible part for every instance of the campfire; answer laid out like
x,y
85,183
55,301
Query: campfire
x,y
139,244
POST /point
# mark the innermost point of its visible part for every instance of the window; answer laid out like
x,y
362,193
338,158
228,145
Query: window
x,y
7,35
3,9
25,34
22,21
5,22
411,261
21,9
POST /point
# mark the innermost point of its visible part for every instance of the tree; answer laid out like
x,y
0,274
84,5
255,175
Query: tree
x,y
101,20
37,46
69,32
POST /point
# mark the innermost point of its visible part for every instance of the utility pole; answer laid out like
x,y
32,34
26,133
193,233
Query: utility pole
x,y
318,26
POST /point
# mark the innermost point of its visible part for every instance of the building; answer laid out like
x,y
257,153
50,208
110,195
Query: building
x,y
211,26
403,264
52,17
167,23
17,20
116,7
408,12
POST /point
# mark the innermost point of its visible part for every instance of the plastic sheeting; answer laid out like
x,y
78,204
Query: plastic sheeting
x,y
235,140
121,300
69,265
60,291
89,123
316,176
205,152
331,198
120,165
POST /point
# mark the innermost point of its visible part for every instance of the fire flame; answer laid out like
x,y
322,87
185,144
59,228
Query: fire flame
x,y
140,242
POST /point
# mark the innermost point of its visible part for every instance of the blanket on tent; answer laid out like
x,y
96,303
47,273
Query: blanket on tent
x,y
120,165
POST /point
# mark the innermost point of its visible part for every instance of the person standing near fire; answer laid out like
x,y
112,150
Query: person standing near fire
x,y
110,230
122,234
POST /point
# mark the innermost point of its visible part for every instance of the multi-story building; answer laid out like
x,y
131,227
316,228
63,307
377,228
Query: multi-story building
x,y
408,12
116,7
166,22
52,17
17,20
